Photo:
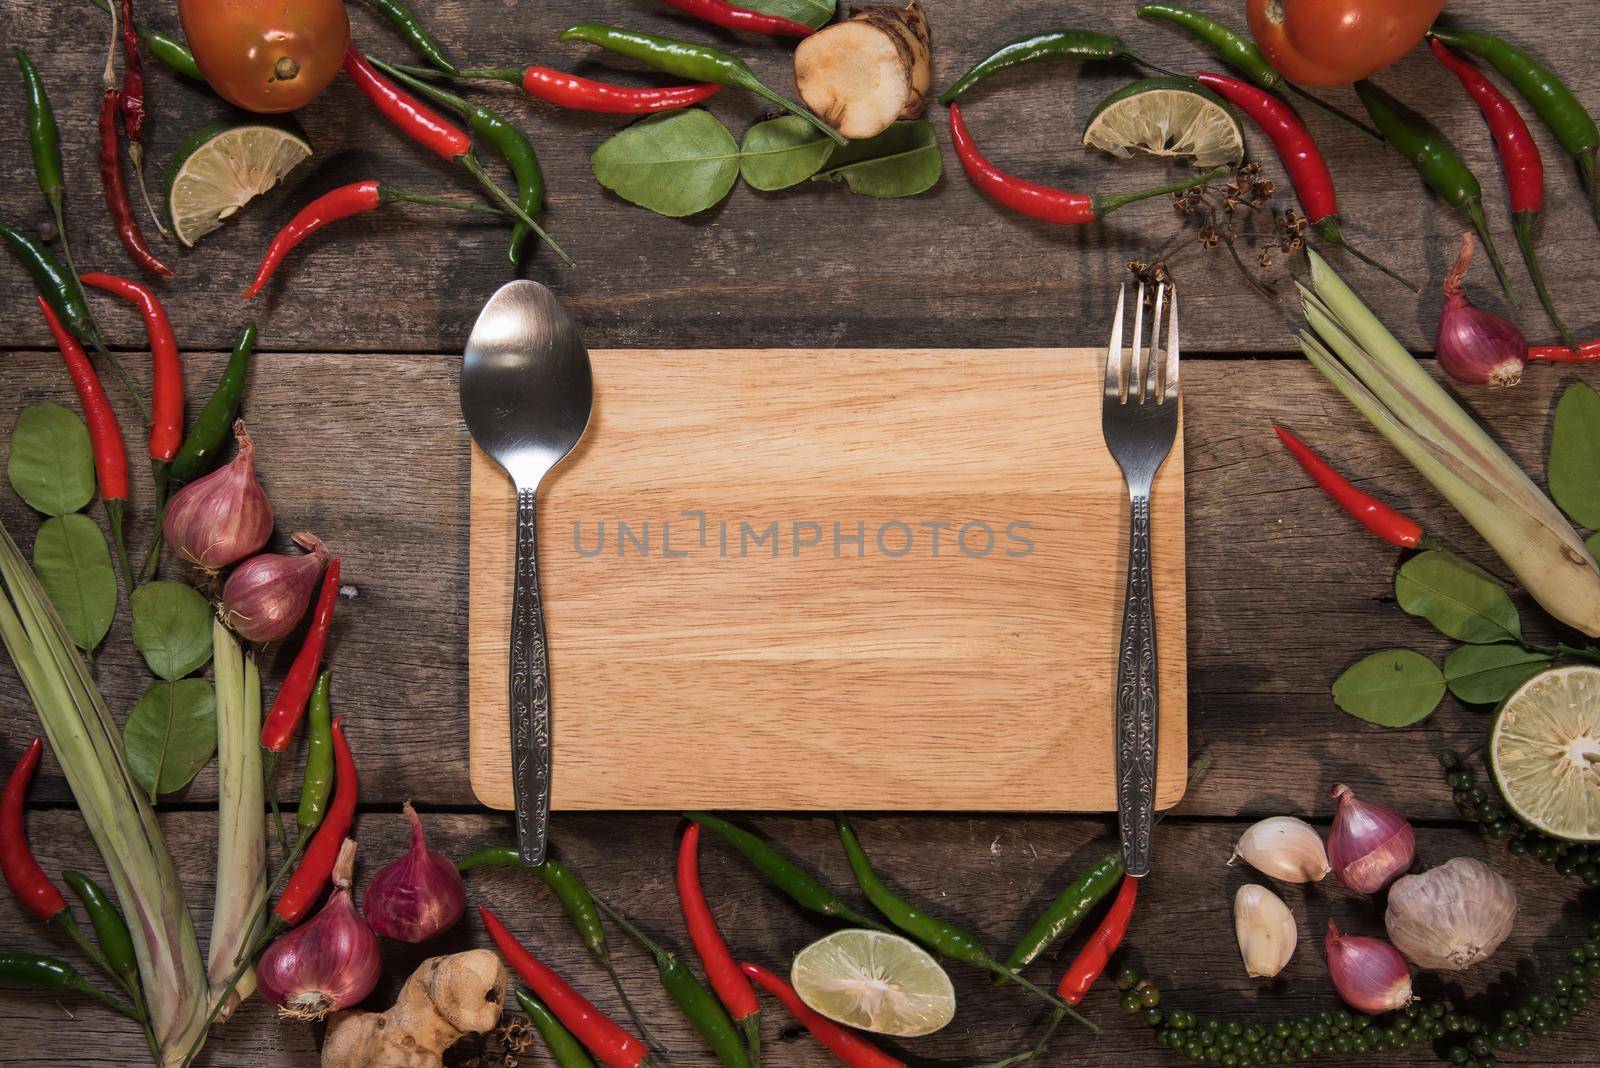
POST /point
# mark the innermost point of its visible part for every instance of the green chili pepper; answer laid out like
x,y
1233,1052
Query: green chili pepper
x,y
110,929
417,35
696,63
211,426
1240,53
512,144
568,1051
59,287
703,1011
167,50
576,901
1549,97
798,884
52,973
1067,911
44,138
318,781
937,935
1076,45
1426,149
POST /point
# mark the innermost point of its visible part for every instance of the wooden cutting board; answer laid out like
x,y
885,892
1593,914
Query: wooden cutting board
x,y
746,609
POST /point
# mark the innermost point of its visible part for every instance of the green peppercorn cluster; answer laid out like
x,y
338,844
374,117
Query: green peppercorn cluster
x,y
1485,806
1469,1040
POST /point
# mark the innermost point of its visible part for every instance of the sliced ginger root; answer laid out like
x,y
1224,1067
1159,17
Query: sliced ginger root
x,y
862,74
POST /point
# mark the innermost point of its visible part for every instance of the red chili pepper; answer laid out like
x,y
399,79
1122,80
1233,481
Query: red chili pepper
x,y
1588,350
409,115
1302,158
341,203
132,98
1092,959
584,94
849,1047
1385,522
116,192
1519,158
110,455
721,13
27,880
730,984
166,389
290,704
306,885
1043,201
600,1035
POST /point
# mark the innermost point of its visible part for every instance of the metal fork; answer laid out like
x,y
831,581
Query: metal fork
x,y
1139,418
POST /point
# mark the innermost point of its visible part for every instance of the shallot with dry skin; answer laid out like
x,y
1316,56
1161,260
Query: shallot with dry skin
x,y
418,896
328,963
1369,974
1473,345
1370,846
222,518
266,596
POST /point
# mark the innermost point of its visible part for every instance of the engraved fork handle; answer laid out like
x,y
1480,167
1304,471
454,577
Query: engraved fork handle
x,y
530,691
1138,705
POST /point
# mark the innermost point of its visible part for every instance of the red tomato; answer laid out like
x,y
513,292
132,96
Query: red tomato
x,y
267,55
1321,43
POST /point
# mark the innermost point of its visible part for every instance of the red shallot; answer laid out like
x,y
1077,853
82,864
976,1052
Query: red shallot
x,y
222,518
1369,974
419,895
1473,345
1369,846
266,595
330,962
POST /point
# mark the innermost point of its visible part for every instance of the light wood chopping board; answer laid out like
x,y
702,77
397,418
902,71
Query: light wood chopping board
x,y
703,657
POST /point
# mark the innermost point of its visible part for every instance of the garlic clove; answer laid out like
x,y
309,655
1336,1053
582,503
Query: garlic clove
x,y
1266,931
1452,916
1285,848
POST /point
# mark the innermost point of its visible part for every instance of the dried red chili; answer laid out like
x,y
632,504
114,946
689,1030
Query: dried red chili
x,y
1385,522
116,191
105,436
308,880
1042,201
1302,159
729,17
290,704
23,874
131,103
849,1047
1092,959
729,983
600,1035
166,370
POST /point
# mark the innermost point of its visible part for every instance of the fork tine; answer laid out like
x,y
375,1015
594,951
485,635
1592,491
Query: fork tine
x,y
1153,366
1114,379
1169,388
1135,377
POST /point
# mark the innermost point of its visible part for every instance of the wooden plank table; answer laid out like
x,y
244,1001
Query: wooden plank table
x,y
353,407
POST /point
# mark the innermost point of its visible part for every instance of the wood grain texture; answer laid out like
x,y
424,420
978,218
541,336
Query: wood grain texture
x,y
1284,592
814,266
764,660
992,876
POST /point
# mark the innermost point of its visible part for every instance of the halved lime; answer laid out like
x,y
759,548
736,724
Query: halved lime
x,y
875,981
1545,752
221,168
1167,117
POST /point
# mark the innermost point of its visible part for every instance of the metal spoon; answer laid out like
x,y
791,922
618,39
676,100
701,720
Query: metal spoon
x,y
526,394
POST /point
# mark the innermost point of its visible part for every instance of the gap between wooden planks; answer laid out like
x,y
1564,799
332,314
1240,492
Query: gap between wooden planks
x,y
794,667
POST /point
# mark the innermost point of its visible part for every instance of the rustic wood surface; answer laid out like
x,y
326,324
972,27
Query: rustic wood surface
x,y
821,676
353,405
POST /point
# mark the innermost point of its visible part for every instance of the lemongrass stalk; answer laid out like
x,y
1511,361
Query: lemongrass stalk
x,y
1365,362
241,821
121,822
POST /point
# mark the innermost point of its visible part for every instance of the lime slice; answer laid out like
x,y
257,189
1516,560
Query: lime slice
x,y
1545,752
1167,117
221,168
874,981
